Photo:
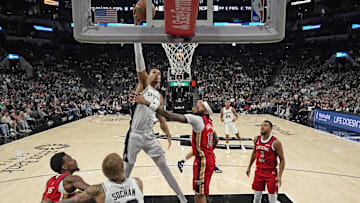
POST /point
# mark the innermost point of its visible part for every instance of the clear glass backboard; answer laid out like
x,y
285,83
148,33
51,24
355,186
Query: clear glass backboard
x,y
218,21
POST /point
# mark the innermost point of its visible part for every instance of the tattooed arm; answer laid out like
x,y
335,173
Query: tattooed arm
x,y
94,193
139,98
172,116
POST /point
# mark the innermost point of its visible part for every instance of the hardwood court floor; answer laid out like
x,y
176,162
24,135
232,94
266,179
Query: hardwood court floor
x,y
319,167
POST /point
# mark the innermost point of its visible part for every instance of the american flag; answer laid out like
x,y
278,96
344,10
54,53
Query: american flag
x,y
105,16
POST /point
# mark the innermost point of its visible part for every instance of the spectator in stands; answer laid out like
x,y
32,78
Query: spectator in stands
x,y
6,119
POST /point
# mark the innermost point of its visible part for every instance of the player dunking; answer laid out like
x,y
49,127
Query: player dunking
x,y
267,149
140,135
229,116
203,142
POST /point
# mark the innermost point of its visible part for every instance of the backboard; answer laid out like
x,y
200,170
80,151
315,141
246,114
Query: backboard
x,y
218,21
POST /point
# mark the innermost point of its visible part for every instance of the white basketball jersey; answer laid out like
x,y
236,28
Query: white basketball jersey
x,y
122,193
228,115
144,118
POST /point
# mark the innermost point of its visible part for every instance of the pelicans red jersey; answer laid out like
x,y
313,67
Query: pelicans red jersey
x,y
202,142
266,172
265,153
52,189
204,162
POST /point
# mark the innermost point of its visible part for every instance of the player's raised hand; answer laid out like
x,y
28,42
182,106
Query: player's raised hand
x,y
137,19
139,98
132,97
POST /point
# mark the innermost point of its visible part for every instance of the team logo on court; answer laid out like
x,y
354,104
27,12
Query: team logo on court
x,y
52,147
280,130
115,119
24,159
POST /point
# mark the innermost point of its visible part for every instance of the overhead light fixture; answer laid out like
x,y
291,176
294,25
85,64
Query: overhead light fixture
x,y
342,54
300,2
355,26
311,27
13,56
43,28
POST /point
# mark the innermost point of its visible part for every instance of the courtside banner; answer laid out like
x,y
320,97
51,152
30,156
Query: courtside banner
x,y
339,120
180,17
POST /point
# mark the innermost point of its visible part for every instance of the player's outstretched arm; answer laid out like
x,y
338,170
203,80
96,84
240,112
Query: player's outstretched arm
x,y
139,98
74,181
140,68
172,116
94,192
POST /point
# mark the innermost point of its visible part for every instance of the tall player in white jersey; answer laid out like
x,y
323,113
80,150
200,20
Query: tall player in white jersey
x,y
140,135
229,116
117,189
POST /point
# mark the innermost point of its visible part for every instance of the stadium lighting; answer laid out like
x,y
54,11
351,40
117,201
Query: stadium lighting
x,y
0,28
117,24
13,56
300,2
43,28
311,27
238,24
355,26
342,54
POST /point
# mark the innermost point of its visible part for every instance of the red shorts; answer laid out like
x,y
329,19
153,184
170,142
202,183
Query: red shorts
x,y
202,172
265,176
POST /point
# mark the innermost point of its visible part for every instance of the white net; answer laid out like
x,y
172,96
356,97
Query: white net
x,y
180,56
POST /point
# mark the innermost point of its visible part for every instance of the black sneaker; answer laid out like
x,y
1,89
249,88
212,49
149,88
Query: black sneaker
x,y
181,165
217,170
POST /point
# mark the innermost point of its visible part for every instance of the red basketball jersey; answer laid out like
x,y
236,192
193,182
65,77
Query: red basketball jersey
x,y
52,186
265,153
202,142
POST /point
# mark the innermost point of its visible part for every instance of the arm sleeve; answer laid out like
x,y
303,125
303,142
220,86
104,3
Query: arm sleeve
x,y
139,59
196,121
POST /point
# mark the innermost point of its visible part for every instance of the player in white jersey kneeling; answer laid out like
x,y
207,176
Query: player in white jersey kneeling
x,y
117,189
229,116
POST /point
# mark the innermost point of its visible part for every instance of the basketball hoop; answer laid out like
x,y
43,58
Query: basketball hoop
x,y
180,55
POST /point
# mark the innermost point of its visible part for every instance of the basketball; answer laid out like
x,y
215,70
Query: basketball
x,y
140,11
